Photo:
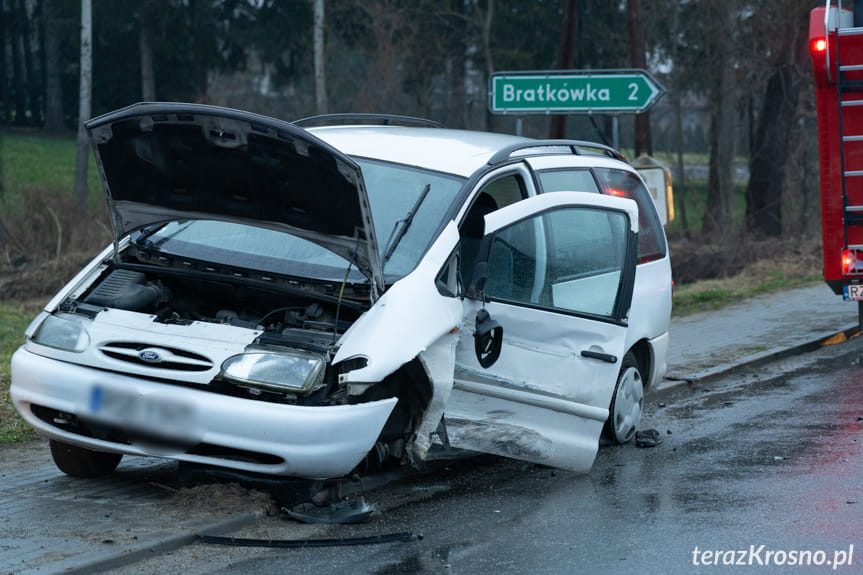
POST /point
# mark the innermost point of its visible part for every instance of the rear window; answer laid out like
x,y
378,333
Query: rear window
x,y
651,239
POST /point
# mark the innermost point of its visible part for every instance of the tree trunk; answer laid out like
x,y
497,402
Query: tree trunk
x,y
716,222
53,86
768,159
5,109
320,59
643,143
200,47
773,144
565,58
458,104
82,154
19,82
483,21
676,103
35,108
145,47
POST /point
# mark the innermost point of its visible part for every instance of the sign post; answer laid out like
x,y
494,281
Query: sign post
x,y
573,92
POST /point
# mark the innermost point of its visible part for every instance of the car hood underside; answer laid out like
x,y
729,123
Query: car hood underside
x,y
161,162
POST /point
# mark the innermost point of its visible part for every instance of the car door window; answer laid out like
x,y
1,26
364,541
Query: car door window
x,y
496,194
568,259
614,182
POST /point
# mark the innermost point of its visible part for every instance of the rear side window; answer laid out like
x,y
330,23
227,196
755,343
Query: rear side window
x,y
651,239
568,181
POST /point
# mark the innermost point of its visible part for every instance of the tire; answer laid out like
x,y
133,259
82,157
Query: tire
x,y
627,402
80,462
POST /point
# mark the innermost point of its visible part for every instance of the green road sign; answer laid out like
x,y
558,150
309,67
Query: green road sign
x,y
573,92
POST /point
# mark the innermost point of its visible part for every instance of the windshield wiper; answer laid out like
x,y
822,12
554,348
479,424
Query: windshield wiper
x,y
142,240
399,232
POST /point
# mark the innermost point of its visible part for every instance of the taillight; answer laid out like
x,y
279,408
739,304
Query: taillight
x,y
614,192
817,46
852,262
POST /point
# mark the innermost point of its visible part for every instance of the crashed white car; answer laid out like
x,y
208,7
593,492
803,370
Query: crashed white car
x,y
302,302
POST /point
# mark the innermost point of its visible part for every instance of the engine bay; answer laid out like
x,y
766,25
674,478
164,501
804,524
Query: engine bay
x,y
181,296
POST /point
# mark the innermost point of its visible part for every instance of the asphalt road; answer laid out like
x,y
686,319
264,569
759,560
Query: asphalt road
x,y
760,469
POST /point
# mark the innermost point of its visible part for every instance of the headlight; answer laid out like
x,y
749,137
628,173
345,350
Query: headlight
x,y
294,371
65,332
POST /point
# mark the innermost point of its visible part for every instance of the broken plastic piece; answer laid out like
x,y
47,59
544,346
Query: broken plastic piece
x,y
647,438
351,511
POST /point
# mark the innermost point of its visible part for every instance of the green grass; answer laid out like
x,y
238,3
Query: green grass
x,y
32,161
710,295
14,319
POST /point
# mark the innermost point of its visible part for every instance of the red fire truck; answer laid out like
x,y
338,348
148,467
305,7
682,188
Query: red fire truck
x,y
836,46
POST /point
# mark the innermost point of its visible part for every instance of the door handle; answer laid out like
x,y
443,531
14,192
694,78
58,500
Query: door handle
x,y
607,357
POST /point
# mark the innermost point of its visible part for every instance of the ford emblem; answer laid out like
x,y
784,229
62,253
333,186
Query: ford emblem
x,y
150,356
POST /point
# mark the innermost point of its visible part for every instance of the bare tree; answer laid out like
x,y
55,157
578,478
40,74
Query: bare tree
x,y
483,20
202,30
716,222
145,47
565,58
320,59
676,103
32,84
53,86
18,78
643,143
769,157
82,154
5,111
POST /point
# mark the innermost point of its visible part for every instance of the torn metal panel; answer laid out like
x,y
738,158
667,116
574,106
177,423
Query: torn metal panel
x,y
529,433
439,363
410,317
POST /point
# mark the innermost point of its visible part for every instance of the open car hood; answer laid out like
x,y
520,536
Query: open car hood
x,y
167,161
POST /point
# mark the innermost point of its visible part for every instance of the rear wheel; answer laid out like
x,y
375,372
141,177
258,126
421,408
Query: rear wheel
x,y
627,402
80,462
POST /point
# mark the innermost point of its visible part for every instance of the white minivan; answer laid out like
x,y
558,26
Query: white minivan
x,y
305,298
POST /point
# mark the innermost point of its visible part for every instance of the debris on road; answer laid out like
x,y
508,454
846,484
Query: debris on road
x,y
647,438
351,511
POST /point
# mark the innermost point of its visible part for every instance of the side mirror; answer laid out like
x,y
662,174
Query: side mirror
x,y
487,339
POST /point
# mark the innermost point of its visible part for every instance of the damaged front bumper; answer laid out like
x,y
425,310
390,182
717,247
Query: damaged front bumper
x,y
111,412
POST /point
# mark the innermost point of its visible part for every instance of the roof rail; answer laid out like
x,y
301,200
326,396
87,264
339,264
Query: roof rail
x,y
577,147
379,119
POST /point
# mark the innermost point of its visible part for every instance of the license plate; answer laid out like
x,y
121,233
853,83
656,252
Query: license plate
x,y
853,292
152,414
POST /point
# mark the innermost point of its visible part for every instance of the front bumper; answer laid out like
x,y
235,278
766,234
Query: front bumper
x,y
142,417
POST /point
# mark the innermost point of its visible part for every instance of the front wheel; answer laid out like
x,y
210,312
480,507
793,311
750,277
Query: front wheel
x,y
80,462
626,403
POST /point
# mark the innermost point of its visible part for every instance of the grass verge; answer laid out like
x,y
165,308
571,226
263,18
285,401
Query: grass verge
x,y
14,319
707,295
34,161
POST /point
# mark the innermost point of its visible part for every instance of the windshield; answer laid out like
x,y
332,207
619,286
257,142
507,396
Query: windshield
x,y
392,189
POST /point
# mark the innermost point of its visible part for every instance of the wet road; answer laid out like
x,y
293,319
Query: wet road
x,y
762,470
